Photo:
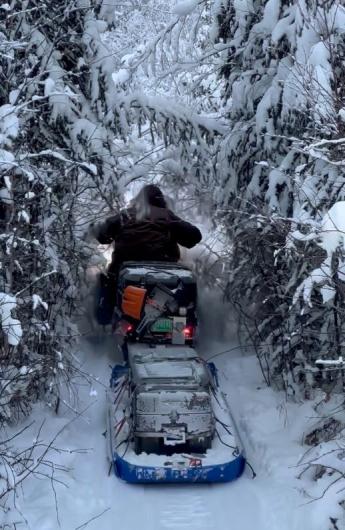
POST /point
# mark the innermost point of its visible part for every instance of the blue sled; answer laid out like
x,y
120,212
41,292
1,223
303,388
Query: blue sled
x,y
181,468
209,474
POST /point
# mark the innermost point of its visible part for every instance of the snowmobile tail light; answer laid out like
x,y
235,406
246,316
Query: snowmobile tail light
x,y
129,328
182,311
188,332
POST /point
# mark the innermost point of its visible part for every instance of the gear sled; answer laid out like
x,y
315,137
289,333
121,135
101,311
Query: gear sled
x,y
168,420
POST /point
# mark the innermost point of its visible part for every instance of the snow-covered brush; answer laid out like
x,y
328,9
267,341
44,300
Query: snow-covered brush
x,y
21,460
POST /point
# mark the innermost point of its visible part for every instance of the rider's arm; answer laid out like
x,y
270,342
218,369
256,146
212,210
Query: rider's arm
x,y
184,233
106,232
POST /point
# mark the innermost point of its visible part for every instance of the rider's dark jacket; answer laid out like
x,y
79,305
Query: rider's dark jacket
x,y
154,238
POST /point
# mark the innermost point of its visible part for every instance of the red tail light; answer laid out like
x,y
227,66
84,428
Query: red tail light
x,y
188,332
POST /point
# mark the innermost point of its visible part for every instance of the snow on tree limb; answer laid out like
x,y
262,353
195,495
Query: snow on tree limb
x,y
10,326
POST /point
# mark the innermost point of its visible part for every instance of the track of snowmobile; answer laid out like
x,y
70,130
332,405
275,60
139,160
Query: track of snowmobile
x,y
91,495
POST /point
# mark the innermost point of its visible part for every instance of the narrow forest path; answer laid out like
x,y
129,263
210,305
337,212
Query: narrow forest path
x,y
89,498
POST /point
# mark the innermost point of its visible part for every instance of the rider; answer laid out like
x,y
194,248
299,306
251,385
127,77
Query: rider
x,y
147,231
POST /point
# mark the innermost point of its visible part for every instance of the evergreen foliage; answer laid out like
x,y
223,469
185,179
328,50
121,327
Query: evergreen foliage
x,y
280,170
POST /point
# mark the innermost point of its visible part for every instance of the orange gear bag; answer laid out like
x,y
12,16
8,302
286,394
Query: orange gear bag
x,y
133,300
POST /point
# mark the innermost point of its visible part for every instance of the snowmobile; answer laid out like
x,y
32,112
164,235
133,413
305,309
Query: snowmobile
x,y
168,420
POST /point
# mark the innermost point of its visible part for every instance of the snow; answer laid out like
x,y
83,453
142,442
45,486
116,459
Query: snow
x,y
49,86
181,273
5,196
8,182
9,124
330,236
284,27
331,362
121,76
55,154
333,228
185,7
6,160
271,431
10,326
91,167
13,95
162,370
22,214
37,301
317,277
319,61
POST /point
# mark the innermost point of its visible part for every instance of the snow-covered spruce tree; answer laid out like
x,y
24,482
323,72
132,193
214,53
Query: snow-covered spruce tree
x,y
280,169
57,156
39,258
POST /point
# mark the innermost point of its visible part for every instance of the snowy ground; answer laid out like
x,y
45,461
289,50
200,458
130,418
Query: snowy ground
x,y
89,498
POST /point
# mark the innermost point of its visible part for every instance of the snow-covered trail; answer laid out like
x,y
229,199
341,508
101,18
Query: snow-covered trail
x,y
266,503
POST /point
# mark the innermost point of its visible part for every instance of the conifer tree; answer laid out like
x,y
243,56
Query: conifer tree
x,y
280,170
